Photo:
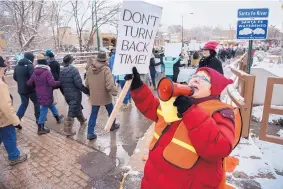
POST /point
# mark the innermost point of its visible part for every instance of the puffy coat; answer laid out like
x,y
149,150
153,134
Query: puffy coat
x,y
22,73
55,68
7,113
44,82
72,86
211,62
212,138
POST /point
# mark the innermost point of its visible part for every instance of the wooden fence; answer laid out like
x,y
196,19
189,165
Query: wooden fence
x,y
268,109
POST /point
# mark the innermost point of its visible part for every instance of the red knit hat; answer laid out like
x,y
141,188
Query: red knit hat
x,y
210,46
217,80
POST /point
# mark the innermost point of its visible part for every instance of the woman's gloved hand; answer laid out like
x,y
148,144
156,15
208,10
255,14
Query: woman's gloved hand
x,y
137,82
182,103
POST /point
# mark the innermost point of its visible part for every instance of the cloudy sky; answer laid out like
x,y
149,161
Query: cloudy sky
x,y
222,13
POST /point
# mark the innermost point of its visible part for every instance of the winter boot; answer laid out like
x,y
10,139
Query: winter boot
x,y
82,119
19,127
92,137
42,130
59,119
20,159
68,124
115,126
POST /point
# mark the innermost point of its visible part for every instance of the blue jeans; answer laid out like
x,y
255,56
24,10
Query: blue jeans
x,y
128,95
93,117
44,110
25,101
9,138
153,75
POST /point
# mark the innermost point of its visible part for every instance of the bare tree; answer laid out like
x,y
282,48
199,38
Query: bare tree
x,y
175,29
96,14
102,12
22,21
59,18
81,18
273,33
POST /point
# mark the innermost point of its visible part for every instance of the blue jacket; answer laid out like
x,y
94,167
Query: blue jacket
x,y
169,64
111,61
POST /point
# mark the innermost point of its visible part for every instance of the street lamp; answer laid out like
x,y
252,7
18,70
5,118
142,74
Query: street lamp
x,y
282,35
191,13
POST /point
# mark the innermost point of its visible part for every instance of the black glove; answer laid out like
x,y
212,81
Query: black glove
x,y
136,83
182,103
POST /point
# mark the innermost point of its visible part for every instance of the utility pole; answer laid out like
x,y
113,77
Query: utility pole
x,y
182,31
97,32
282,36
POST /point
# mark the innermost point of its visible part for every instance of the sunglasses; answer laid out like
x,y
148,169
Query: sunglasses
x,y
201,77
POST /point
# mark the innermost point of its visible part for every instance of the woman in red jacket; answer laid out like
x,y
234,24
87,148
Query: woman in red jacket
x,y
188,153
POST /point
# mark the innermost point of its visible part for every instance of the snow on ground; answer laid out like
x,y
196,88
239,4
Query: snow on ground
x,y
260,161
276,69
271,152
257,114
280,133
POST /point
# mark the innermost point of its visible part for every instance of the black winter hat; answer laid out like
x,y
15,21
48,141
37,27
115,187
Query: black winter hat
x,y
2,62
68,59
29,56
41,60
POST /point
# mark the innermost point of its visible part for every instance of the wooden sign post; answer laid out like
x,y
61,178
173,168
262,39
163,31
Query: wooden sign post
x,y
118,105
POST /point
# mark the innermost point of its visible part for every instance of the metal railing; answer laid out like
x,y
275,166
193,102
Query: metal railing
x,y
268,109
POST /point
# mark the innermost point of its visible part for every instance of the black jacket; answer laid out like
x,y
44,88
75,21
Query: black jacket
x,y
176,70
55,68
211,62
72,86
22,72
152,65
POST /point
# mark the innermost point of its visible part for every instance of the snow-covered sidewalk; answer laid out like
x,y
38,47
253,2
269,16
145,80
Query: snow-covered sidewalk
x,y
260,165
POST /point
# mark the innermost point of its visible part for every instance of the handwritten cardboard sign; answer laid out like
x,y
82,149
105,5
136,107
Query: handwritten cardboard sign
x,y
138,25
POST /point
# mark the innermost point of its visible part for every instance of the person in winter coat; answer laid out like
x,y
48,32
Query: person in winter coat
x,y
188,152
209,57
152,70
8,119
169,63
22,74
195,59
101,85
53,64
72,86
43,81
55,68
176,68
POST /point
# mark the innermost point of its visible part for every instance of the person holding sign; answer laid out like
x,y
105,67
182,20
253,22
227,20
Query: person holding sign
x,y
188,151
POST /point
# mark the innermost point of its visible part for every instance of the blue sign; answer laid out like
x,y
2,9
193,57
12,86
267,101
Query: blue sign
x,y
252,29
253,13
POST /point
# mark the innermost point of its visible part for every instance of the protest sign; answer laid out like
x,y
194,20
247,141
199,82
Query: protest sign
x,y
138,25
173,49
137,29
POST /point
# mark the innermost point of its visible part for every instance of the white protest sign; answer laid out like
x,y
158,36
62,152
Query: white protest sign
x,y
173,49
138,25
